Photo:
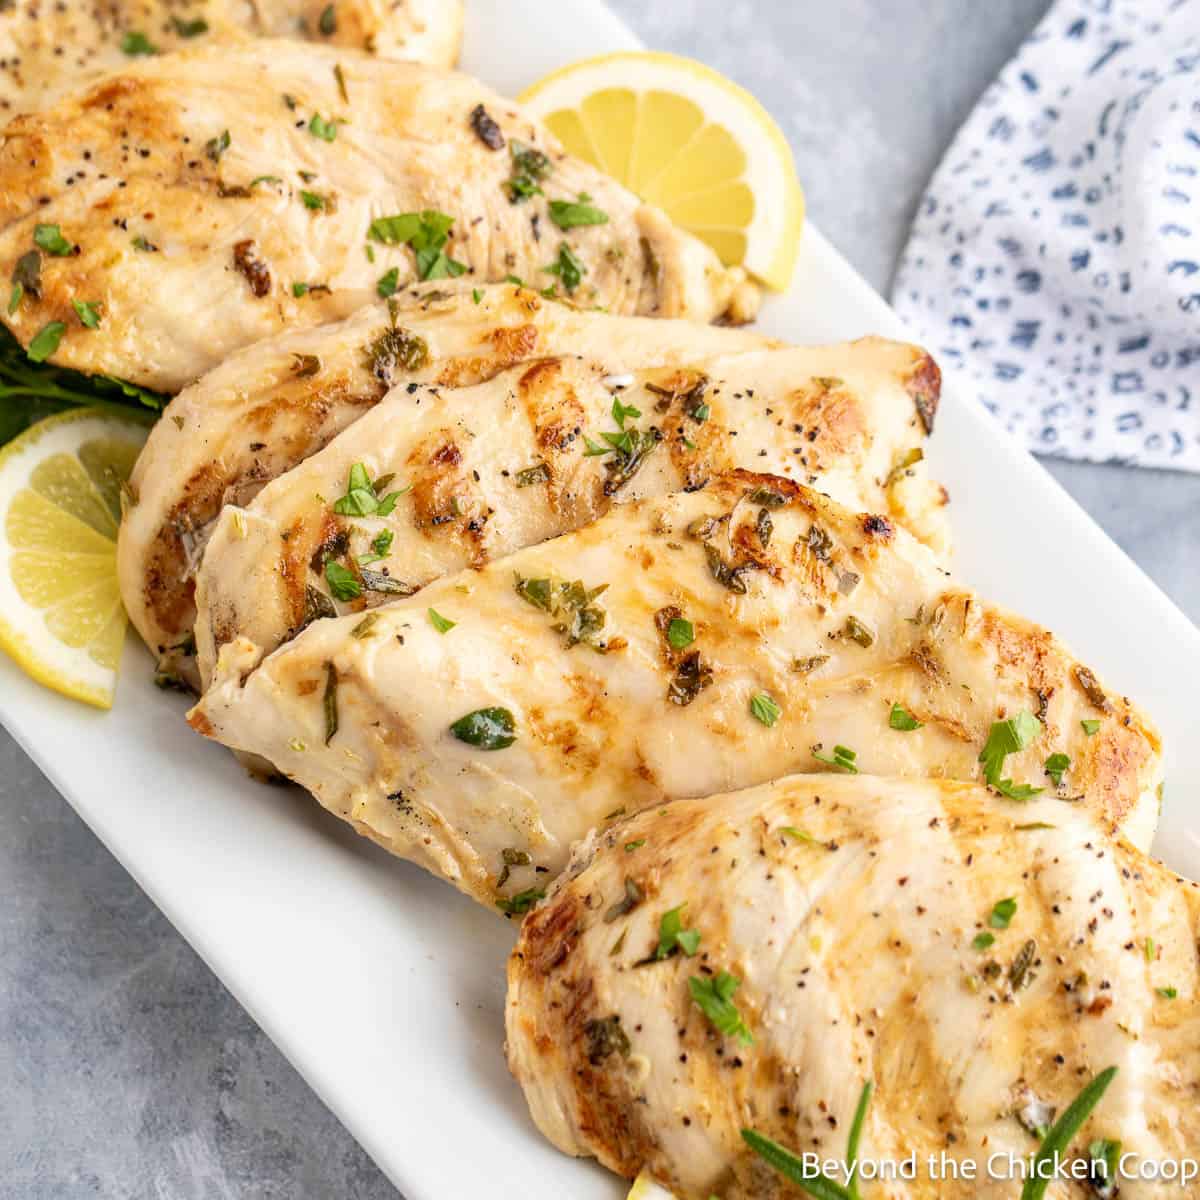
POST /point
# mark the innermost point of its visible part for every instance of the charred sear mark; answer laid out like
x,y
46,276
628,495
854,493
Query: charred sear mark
x,y
731,575
877,527
605,1037
486,129
692,676
334,544
246,260
924,385
393,350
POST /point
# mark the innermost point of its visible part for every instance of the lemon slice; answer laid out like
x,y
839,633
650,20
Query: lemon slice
x,y
644,1188
60,504
687,139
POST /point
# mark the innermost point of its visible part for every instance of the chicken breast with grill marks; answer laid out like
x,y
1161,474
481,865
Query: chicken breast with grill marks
x,y
856,919
208,199
676,646
49,49
545,448
270,406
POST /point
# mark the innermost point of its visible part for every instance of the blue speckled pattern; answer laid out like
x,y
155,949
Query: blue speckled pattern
x,y
1055,259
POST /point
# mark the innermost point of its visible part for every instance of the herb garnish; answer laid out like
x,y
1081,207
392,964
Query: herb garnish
x,y
88,312
216,146
388,283
327,21
1091,728
529,167
440,623
487,728
573,606
811,1179
522,902
680,633
381,545
1104,1157
673,938
714,998
427,233
189,29
628,902
330,702
567,267
901,719
530,476
45,341
604,1036
628,447
843,758
982,941
50,238
362,497
323,129
1002,913
1005,738
1061,1132
568,214
1056,765
1167,993
342,583
135,44
763,708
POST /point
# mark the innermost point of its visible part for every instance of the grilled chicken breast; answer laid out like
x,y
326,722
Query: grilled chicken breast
x,y
270,406
208,199
676,646
48,50
538,451
858,917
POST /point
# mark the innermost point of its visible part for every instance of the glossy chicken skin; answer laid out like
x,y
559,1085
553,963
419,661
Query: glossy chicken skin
x,y
208,199
273,404
848,909
49,49
835,619
506,464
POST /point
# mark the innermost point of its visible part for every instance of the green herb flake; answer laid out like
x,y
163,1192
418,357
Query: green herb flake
x,y
388,282
843,758
1062,1133
673,938
50,238
531,476
714,998
217,146
529,167
136,44
1167,993
327,21
1091,728
486,728
427,233
476,295
901,719
88,312
680,634
1002,913
1005,738
522,902
764,709
189,29
323,129
440,623
14,298
362,498
1104,1159
568,267
46,341
630,847
329,702
982,941
567,214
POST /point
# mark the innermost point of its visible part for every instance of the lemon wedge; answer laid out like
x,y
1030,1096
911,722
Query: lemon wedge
x,y
683,137
61,617
644,1188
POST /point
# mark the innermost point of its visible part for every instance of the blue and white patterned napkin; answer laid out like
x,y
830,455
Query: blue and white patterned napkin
x,y
1056,256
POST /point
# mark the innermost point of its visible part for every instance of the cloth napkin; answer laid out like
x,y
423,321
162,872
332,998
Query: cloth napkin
x,y
1055,259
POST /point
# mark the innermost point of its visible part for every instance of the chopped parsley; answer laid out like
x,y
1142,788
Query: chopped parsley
x,y
672,937
529,167
567,267
531,476
217,146
714,998
568,214
1091,728
1002,913
1061,1134
50,238
388,283
764,709
136,44
1056,766
329,702
427,233
476,295
1005,738
982,941
189,29
440,623
680,633
323,129
380,547
486,728
522,902
1167,993
45,341
628,447
843,758
88,312
327,21
900,718
362,497
314,201
1104,1159
342,582
572,606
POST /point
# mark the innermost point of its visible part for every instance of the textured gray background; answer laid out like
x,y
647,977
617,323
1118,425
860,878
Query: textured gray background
x,y
126,1070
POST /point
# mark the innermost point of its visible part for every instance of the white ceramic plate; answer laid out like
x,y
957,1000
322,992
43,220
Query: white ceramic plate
x,y
386,988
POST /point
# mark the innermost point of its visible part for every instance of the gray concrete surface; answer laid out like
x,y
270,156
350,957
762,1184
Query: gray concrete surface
x,y
126,1070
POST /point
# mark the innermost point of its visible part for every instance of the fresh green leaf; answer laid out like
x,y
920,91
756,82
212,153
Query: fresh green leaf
x,y
622,412
630,847
1167,993
1056,766
567,267
529,167
1104,1155
323,129
382,544
300,289
362,498
389,282
440,623
45,341
1002,913
135,44
487,728
843,758
522,902
856,1128
329,702
673,938
217,146
983,940
88,312
793,1168
567,214
680,634
342,582
50,238
427,233
476,295
714,997
1091,728
1055,1143
763,708
327,22
312,200
1005,738
900,718
14,298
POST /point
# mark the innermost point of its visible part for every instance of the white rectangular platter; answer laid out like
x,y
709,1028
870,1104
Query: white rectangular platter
x,y
386,988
